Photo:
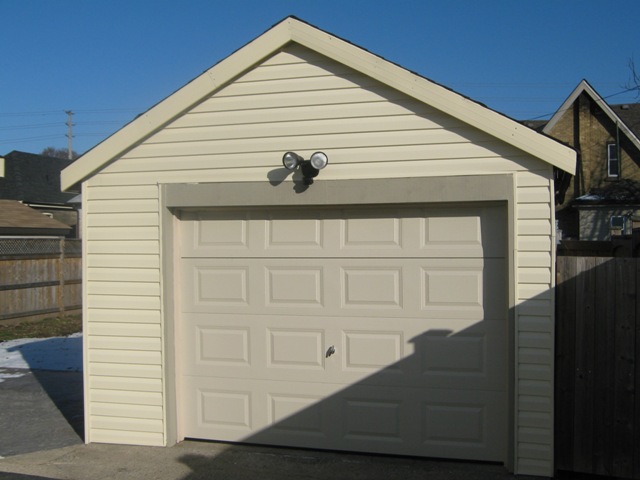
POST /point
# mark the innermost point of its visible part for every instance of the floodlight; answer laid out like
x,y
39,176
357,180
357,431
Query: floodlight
x,y
319,160
291,160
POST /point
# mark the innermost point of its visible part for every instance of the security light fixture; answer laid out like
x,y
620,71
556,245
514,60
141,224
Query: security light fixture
x,y
309,168
290,160
319,160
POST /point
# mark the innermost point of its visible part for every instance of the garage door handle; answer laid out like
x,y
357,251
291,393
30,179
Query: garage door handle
x,y
330,351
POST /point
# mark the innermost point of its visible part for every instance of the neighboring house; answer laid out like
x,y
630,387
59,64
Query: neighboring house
x,y
603,194
400,304
17,219
35,181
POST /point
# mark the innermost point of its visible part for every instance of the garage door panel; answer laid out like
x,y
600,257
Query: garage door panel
x,y
267,411
372,351
376,287
222,345
367,329
223,231
453,421
464,359
463,232
239,346
369,233
408,422
426,288
294,286
294,348
470,289
421,422
378,351
220,285
294,234
418,232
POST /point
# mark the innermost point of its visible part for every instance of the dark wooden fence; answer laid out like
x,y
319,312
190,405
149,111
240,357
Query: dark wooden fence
x,y
597,372
39,277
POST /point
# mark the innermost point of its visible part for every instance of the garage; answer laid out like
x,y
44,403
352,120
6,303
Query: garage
x,y
399,300
359,329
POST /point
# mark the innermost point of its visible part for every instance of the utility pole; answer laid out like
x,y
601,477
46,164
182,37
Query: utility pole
x,y
69,133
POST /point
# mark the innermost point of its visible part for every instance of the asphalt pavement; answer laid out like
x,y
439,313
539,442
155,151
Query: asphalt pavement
x,y
41,438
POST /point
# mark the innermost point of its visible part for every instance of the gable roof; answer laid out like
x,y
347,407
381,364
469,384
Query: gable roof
x,y
616,114
294,30
630,115
622,192
33,178
18,219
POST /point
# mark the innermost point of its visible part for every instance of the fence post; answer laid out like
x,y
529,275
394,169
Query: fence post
x,y
61,262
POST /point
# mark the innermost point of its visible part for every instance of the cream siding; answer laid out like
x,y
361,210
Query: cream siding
x,y
239,134
103,435
534,323
124,335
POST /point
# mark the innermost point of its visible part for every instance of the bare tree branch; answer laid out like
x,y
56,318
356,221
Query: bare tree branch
x,y
634,80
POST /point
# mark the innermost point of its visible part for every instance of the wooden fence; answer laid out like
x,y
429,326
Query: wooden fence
x,y
39,277
597,373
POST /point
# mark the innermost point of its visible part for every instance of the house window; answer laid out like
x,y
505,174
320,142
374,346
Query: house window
x,y
617,222
613,164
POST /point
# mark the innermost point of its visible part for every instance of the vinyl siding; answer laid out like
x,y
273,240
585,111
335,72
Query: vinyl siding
x,y
534,324
295,100
124,334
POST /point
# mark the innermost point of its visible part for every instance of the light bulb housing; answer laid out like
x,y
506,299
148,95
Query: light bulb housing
x,y
291,160
319,160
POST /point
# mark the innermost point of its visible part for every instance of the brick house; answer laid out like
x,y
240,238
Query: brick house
x,y
600,197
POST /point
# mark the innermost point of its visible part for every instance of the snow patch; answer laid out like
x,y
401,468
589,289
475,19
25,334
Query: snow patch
x,y
56,353
4,376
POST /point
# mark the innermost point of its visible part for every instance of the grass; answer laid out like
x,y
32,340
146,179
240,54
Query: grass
x,y
49,327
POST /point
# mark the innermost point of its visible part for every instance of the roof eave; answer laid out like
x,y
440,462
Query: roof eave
x,y
436,95
293,30
168,109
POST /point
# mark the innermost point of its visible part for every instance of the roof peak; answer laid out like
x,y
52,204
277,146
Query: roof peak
x,y
615,114
292,29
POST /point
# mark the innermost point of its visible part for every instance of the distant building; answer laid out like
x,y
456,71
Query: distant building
x,y
605,191
16,219
34,180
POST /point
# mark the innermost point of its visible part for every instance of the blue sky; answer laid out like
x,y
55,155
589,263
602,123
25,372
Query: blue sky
x,y
108,60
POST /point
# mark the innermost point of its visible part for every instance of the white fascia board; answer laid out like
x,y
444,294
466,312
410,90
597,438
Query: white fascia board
x,y
171,107
435,95
565,106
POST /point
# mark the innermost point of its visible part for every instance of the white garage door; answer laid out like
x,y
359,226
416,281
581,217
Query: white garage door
x,y
380,330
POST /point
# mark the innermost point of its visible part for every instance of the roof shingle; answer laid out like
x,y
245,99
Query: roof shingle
x,y
16,218
33,178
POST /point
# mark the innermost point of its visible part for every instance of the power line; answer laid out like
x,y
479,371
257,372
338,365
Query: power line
x,y
57,112
29,126
27,114
603,98
48,127
29,139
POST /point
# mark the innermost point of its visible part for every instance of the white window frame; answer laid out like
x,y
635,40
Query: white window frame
x,y
612,158
617,219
